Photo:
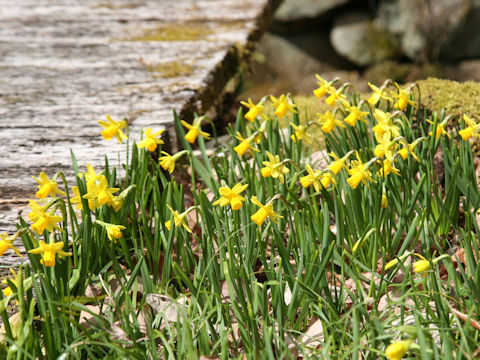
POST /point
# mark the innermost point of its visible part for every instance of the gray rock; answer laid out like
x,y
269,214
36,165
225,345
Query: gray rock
x,y
295,10
464,71
288,64
465,41
422,27
361,40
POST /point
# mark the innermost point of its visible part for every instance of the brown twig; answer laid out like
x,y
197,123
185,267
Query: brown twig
x,y
465,317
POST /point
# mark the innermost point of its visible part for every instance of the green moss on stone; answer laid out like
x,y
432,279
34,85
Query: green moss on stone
x,y
456,98
381,42
118,6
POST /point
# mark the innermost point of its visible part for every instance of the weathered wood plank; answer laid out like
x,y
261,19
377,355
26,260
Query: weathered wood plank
x,y
66,64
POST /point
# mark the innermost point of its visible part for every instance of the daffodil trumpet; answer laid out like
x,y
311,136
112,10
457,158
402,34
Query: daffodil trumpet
x,y
324,86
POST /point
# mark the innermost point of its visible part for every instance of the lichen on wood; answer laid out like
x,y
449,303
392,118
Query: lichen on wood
x,y
175,32
170,69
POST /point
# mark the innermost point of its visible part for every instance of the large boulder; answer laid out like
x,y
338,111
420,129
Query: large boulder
x,y
423,27
464,42
295,10
362,41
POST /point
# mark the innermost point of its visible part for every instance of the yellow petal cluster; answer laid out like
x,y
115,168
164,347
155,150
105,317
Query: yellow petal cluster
x,y
274,168
231,196
194,129
41,219
179,219
49,252
150,140
113,129
265,211
47,187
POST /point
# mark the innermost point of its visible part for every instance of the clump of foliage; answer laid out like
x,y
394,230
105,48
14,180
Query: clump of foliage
x,y
263,252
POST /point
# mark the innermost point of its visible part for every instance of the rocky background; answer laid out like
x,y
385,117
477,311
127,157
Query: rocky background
x,y
360,40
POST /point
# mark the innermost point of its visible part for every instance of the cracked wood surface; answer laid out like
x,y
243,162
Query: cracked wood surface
x,y
66,64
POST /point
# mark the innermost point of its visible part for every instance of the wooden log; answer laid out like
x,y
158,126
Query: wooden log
x,y
65,65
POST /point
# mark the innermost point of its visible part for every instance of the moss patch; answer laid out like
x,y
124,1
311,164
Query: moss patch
x,y
117,6
382,44
175,32
456,98
170,69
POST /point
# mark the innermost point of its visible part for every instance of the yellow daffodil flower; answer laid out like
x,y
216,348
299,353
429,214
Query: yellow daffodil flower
x,y
387,168
6,243
378,93
231,196
90,175
114,232
328,122
405,151
179,219
113,129
194,129
14,280
397,350
335,95
100,193
354,114
47,187
49,252
359,173
167,161
403,98
440,129
385,147
282,106
470,130
421,266
274,168
245,144
254,111
313,178
76,199
409,149
324,87
265,211
115,203
300,133
339,163
326,179
150,140
385,124
41,219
